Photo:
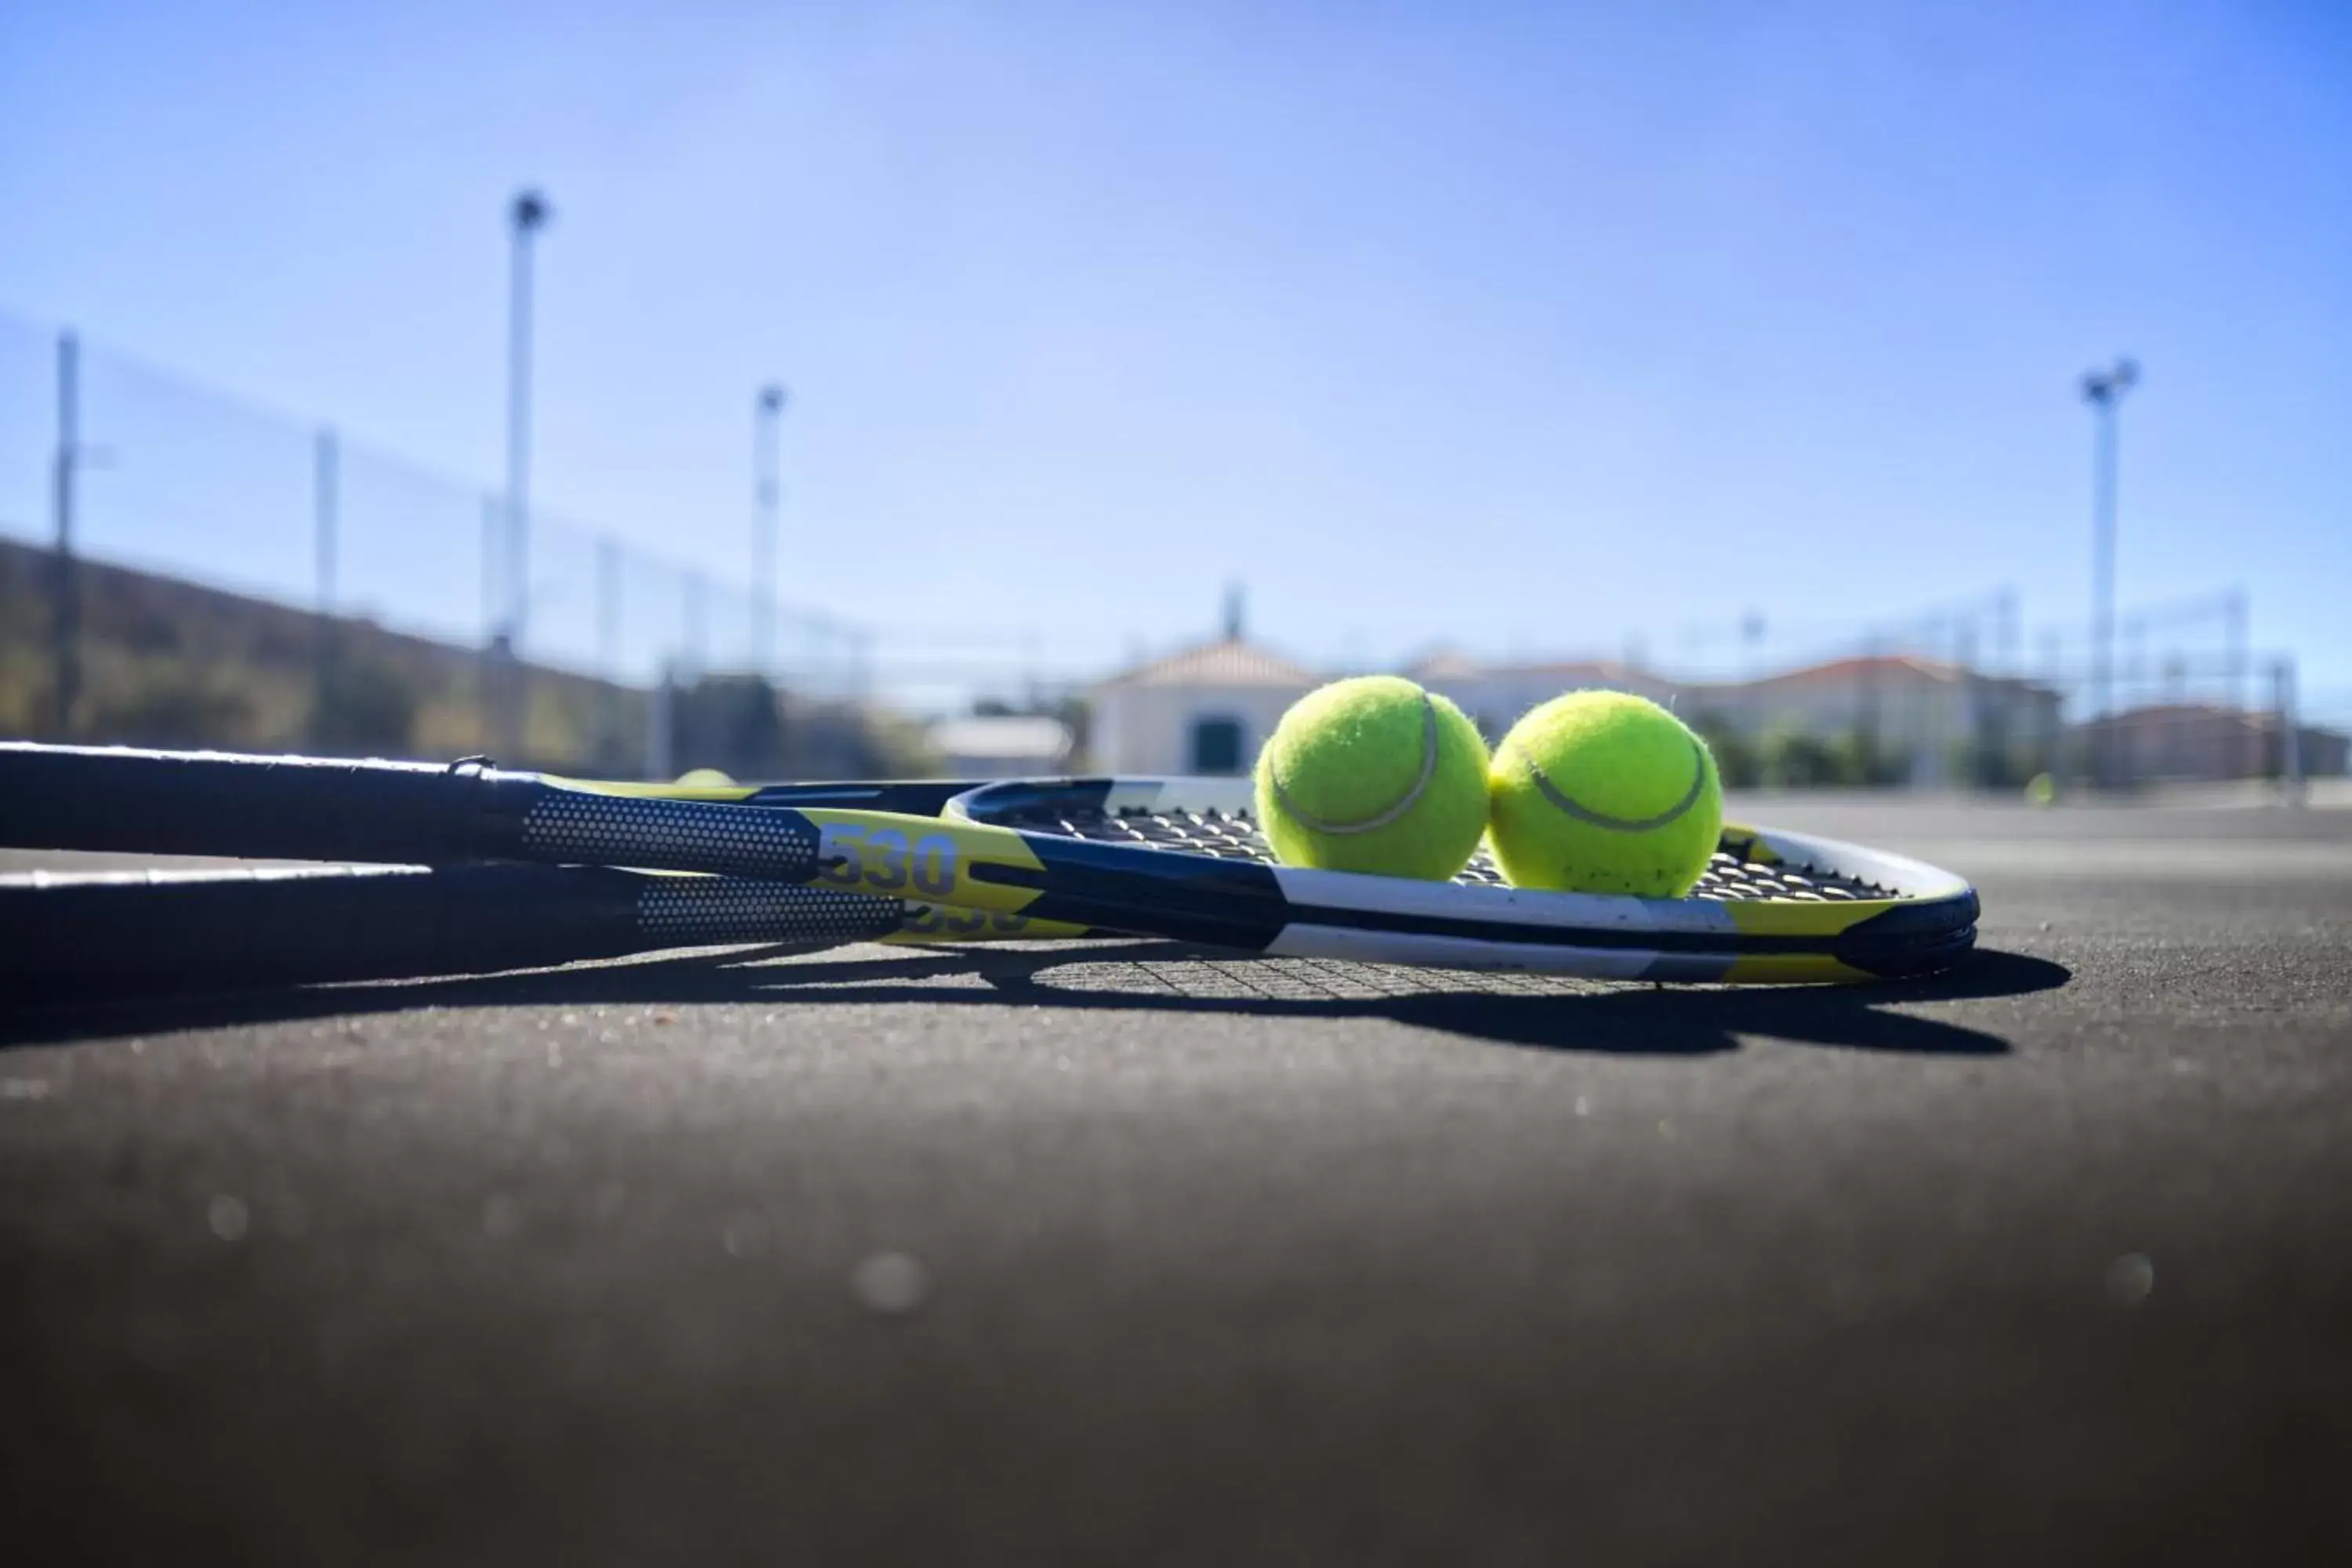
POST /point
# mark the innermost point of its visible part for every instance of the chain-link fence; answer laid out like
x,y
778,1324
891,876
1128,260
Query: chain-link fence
x,y
1971,695
234,576
239,577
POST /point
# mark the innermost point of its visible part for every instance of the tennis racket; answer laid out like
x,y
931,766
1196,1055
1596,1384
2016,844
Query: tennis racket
x,y
1168,858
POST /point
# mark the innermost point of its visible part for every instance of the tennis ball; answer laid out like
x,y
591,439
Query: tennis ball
x,y
1374,774
2040,790
1604,791
703,778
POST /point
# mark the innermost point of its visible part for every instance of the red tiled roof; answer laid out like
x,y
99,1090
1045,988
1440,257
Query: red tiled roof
x,y
2178,712
1451,665
1226,663
1843,670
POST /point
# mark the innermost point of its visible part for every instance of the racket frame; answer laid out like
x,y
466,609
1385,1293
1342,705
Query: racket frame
x,y
965,858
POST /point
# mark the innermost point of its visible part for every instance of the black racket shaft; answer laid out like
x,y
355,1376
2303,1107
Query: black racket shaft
x,y
122,800
130,934
293,808
119,799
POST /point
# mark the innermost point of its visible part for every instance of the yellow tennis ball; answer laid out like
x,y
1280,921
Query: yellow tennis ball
x,y
1374,774
703,778
1602,792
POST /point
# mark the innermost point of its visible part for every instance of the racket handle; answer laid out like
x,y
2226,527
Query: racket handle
x,y
164,931
198,802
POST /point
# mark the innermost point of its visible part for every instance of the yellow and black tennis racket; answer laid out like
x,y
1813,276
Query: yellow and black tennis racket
x,y
1165,857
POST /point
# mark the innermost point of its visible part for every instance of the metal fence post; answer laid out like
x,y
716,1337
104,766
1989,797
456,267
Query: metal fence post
x,y
502,691
2233,656
661,733
608,646
1971,746
64,613
326,485
2290,726
691,635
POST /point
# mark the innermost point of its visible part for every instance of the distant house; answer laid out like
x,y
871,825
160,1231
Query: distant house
x,y
1494,695
997,746
1208,709
1204,710
2196,740
1923,714
2324,753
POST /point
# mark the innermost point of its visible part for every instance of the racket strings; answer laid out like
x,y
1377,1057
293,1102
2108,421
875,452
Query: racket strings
x,y
1232,837
1312,980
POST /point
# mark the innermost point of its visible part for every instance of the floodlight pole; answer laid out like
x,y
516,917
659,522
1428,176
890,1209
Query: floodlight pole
x,y
767,421
65,613
326,495
526,214
2103,391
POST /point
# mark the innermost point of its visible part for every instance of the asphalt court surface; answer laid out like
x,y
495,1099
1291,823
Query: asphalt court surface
x,y
1128,1253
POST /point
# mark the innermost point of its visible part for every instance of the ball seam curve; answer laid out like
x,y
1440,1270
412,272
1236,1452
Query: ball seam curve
x,y
1382,818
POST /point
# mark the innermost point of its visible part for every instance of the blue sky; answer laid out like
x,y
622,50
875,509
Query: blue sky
x,y
1523,326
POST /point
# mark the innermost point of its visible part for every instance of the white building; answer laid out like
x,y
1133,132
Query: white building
x,y
1204,710
2204,740
1208,709
1922,714
1494,695
1000,746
